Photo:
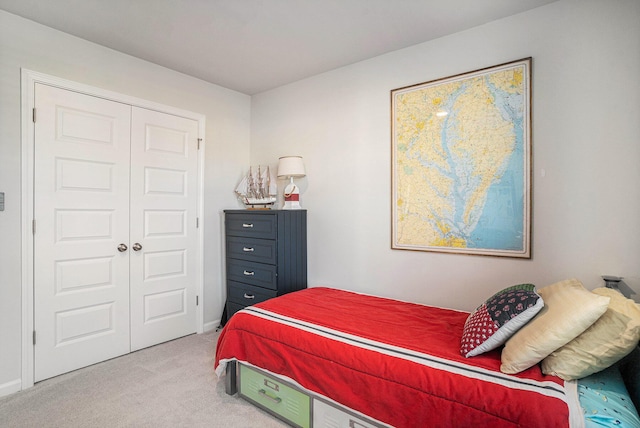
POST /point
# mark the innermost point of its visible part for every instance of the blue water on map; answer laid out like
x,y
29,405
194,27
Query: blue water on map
x,y
501,224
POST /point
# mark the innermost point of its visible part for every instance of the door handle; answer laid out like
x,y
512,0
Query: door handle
x,y
137,247
122,248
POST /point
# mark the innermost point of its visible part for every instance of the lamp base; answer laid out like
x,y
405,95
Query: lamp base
x,y
291,205
291,197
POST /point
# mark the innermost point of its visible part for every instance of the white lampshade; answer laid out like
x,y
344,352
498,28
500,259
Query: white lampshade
x,y
291,166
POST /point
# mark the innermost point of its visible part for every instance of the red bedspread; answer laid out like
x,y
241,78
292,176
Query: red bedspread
x,y
394,361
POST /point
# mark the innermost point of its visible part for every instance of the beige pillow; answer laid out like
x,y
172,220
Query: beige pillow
x,y
569,309
609,339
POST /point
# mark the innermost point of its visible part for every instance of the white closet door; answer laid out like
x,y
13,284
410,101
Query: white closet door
x,y
164,168
81,203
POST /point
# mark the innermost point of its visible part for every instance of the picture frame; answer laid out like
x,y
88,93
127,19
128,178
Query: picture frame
x,y
461,163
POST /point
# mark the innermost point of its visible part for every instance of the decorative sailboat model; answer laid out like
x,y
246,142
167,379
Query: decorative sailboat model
x,y
258,190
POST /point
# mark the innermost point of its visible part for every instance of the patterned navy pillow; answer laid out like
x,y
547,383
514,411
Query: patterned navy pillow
x,y
498,318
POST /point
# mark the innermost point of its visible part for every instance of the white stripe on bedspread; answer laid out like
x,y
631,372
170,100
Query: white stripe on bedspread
x,y
550,389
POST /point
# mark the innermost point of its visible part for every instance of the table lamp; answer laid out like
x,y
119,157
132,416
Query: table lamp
x,y
290,167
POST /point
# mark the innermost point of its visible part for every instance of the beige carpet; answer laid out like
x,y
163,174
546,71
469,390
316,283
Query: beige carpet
x,y
168,385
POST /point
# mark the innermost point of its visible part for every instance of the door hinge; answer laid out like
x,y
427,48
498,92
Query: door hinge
x,y
199,141
34,337
197,301
197,222
34,115
33,227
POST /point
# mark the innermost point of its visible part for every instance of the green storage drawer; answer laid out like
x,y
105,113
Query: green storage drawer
x,y
275,396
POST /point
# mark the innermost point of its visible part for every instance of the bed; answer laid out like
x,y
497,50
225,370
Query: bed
x,y
325,357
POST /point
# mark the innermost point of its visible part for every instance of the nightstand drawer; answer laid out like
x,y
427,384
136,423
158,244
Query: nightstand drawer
x,y
259,274
251,226
256,250
247,295
275,396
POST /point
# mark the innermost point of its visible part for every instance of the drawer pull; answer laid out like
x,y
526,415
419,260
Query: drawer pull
x,y
249,273
249,296
249,225
276,400
355,424
248,249
272,385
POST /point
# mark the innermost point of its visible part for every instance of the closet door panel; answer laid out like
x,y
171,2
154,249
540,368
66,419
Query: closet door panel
x,y
81,212
163,207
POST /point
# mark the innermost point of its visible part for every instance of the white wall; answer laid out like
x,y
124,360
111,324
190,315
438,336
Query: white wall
x,y
25,44
586,138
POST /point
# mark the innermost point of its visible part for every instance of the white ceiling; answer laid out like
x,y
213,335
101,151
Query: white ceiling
x,y
255,45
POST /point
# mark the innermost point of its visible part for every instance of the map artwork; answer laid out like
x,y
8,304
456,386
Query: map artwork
x,y
461,163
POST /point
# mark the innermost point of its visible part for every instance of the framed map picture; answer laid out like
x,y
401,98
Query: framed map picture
x,y
461,163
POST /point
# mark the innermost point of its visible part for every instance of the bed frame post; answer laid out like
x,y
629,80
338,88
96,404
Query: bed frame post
x,y
231,378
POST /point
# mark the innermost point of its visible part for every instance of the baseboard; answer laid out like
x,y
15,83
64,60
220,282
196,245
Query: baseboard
x,y
10,387
208,326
